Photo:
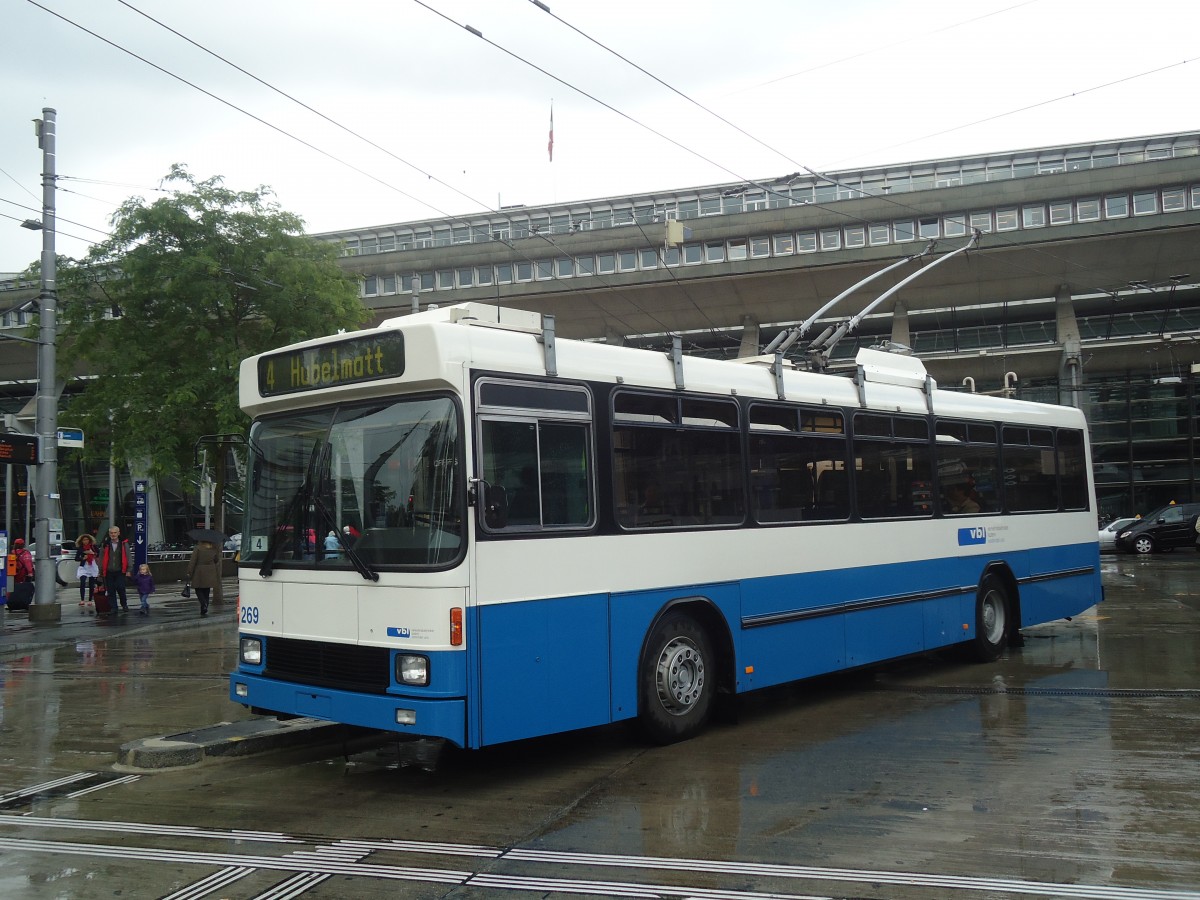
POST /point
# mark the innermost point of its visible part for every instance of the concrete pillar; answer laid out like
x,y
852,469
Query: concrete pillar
x,y
901,334
750,345
1070,368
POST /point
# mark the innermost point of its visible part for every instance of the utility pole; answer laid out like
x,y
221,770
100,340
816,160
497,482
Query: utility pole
x,y
47,396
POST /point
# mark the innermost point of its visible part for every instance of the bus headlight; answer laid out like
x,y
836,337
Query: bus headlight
x,y
250,651
412,669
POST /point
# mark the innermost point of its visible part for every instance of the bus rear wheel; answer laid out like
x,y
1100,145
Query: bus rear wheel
x,y
991,620
677,680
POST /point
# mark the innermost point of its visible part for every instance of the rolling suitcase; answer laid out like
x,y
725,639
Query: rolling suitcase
x,y
21,595
100,598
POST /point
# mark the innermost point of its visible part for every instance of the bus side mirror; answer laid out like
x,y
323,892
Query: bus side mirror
x,y
495,505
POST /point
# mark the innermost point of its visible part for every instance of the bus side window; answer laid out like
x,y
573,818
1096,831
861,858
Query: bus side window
x,y
524,502
796,489
536,474
833,494
873,493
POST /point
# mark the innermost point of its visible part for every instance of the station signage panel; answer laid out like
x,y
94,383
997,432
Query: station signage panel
x,y
141,489
18,449
70,437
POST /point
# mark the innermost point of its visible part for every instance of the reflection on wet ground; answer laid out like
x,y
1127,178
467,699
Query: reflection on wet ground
x,y
1073,762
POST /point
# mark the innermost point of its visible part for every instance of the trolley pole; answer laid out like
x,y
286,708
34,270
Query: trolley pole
x,y
47,397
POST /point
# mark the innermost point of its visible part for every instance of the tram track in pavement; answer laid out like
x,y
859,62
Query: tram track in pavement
x,y
317,859
1002,690
215,677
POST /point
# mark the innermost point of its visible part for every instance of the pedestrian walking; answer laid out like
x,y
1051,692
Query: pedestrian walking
x,y
204,571
114,564
145,587
87,570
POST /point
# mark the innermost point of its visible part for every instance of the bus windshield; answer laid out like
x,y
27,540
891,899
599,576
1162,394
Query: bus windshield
x,y
368,486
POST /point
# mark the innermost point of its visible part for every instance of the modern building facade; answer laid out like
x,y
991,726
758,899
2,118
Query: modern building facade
x,y
1083,287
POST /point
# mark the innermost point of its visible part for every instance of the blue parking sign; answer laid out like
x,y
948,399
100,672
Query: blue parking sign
x,y
141,509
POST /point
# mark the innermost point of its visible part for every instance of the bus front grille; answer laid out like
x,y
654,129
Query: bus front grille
x,y
345,666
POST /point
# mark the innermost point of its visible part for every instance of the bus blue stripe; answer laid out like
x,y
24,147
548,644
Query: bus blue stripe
x,y
536,667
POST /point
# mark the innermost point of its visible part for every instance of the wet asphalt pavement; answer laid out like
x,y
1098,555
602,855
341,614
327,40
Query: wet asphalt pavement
x,y
1069,768
79,622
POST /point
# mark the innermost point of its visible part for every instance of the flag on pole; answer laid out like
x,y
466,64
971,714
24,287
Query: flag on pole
x,y
550,145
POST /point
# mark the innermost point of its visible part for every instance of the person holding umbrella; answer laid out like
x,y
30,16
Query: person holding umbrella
x,y
204,566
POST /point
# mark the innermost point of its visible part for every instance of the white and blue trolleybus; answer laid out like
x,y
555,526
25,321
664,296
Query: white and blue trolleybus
x,y
459,526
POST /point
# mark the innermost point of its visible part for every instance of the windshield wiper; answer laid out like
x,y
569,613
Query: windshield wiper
x,y
326,514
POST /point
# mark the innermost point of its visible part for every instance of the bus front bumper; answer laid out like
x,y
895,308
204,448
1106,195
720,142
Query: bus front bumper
x,y
442,718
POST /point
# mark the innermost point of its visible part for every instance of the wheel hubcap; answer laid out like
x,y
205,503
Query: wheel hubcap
x,y
680,676
993,618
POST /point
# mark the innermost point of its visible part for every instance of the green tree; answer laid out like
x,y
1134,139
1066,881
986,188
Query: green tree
x,y
163,313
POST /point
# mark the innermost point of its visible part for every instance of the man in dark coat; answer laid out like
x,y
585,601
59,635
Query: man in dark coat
x,y
114,565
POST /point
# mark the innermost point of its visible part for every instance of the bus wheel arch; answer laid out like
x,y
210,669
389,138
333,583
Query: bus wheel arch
x,y
686,660
997,614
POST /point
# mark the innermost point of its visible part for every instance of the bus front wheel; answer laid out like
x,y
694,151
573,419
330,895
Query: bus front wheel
x,y
991,620
677,680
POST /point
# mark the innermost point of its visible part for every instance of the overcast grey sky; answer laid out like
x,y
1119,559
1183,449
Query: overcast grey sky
x,y
818,84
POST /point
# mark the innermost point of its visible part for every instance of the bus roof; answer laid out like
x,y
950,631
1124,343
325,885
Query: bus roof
x,y
441,344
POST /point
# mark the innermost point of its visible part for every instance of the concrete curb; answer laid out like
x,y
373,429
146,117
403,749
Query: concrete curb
x,y
228,739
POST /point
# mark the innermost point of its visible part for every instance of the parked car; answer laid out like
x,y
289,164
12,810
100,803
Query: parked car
x,y
65,550
65,553
1162,530
1108,534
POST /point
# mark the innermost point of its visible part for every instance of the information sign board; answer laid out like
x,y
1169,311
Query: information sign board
x,y
140,510
70,437
18,449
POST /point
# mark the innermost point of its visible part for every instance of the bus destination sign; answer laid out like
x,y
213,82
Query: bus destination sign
x,y
332,365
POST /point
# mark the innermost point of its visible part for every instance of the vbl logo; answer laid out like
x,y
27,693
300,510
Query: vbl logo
x,y
968,536
398,632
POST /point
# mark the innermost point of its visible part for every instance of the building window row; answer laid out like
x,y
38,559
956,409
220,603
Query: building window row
x,y
16,318
852,236
770,195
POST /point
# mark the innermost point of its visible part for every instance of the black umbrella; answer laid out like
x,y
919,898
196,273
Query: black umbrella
x,y
207,534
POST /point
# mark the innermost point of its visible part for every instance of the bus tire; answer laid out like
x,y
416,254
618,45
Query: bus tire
x,y
992,611
677,681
